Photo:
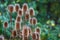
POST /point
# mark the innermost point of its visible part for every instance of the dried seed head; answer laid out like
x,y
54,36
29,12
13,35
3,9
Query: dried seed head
x,y
27,16
30,20
5,24
34,36
38,36
17,7
18,26
33,21
14,33
37,30
31,11
18,19
29,31
25,31
20,12
25,7
10,8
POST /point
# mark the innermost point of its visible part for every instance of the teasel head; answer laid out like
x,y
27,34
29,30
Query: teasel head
x,y
25,31
31,12
18,19
5,24
14,33
11,8
34,36
30,21
20,12
38,36
17,6
29,31
17,25
25,7
37,30
33,21
27,16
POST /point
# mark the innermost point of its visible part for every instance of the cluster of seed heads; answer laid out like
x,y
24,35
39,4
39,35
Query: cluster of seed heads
x,y
28,14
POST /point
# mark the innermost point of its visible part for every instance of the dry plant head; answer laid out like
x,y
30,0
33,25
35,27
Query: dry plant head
x,y
14,33
25,7
27,15
11,8
20,12
18,19
17,6
5,24
31,12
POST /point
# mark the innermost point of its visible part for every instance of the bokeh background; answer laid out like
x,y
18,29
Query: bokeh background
x,y
47,13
